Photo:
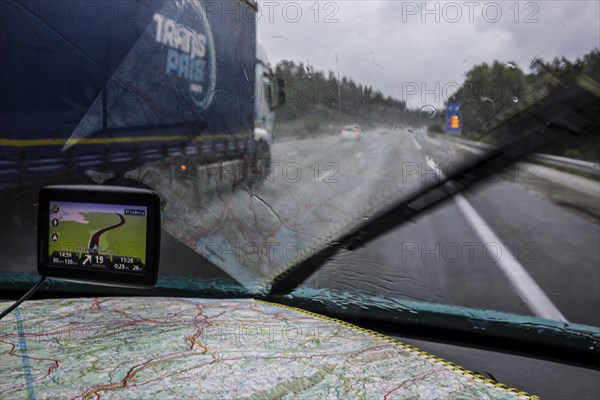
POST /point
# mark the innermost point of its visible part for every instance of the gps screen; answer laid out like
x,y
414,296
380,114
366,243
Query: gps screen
x,y
108,237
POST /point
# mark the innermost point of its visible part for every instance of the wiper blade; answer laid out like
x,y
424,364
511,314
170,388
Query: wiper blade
x,y
556,115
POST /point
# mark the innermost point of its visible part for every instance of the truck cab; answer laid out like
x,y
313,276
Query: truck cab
x,y
268,97
264,105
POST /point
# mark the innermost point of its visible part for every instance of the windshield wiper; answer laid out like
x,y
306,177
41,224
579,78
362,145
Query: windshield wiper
x,y
562,113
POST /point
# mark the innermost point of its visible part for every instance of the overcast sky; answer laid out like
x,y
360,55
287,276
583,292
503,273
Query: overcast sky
x,y
401,46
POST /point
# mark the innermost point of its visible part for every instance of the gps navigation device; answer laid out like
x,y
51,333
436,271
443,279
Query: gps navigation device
x,y
99,234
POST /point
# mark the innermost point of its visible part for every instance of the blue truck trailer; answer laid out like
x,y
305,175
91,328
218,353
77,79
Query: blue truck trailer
x,y
111,86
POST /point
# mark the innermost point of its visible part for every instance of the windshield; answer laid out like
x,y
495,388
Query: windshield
x,y
231,111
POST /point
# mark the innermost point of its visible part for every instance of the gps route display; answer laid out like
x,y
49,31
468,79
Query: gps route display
x,y
99,234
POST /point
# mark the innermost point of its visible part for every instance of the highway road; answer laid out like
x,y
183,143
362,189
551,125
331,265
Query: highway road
x,y
446,256
95,238
502,246
505,245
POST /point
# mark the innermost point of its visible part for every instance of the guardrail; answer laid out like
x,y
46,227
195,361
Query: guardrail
x,y
563,162
570,163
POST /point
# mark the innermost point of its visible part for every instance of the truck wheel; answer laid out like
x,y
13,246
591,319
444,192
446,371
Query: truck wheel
x,y
260,165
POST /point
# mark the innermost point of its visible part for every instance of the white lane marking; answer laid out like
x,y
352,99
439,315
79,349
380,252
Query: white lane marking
x,y
322,176
526,287
430,139
417,143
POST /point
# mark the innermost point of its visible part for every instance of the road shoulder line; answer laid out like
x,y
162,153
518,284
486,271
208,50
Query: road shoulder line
x,y
526,287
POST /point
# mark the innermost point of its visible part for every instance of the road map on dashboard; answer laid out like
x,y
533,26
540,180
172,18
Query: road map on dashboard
x,y
152,347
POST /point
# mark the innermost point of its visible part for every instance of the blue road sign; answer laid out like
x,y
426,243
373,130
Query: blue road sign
x,y
453,119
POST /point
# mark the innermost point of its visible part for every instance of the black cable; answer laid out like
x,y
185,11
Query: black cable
x,y
23,298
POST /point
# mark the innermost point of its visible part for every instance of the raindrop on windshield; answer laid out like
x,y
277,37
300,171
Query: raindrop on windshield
x,y
511,64
371,59
309,70
485,98
398,127
515,99
429,109
281,37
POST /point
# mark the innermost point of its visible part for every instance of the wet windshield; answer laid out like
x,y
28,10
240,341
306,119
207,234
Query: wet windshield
x,y
232,111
